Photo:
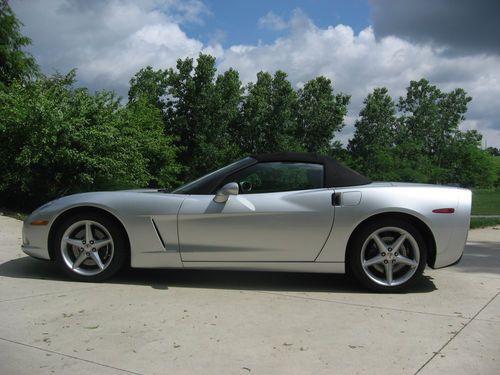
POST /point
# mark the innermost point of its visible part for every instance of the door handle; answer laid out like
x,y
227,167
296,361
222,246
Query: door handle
x,y
336,199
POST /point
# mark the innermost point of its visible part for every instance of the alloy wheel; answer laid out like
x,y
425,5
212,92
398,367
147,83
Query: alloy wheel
x,y
390,256
87,247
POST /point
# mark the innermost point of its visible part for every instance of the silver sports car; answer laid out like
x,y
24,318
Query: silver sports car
x,y
276,212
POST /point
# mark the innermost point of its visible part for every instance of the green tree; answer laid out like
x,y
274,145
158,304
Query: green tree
x,y
409,163
269,115
148,86
181,118
14,62
430,121
430,143
223,146
493,151
373,143
320,114
142,123
256,111
467,163
280,134
57,139
202,114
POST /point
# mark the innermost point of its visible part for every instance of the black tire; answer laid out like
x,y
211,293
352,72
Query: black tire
x,y
374,276
65,253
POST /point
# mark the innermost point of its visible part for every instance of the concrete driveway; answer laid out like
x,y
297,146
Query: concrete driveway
x,y
200,322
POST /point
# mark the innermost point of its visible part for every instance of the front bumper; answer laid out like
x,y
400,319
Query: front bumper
x,y
35,252
35,240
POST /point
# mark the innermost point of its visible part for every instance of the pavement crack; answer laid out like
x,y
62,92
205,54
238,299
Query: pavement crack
x,y
367,306
456,334
69,356
48,294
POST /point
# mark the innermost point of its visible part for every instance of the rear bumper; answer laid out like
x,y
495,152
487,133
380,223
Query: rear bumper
x,y
452,253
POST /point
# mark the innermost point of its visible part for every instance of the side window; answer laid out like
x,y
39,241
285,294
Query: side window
x,y
278,176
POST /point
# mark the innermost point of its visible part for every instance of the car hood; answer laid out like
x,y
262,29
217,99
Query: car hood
x,y
143,191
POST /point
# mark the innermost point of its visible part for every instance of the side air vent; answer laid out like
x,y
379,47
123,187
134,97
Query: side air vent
x,y
158,233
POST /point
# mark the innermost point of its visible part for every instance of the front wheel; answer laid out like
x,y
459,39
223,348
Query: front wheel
x,y
90,247
387,255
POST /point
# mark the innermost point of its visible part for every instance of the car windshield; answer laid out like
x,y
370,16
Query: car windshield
x,y
215,175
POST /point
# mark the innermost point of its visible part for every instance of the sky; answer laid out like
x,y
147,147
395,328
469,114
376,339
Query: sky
x,y
358,44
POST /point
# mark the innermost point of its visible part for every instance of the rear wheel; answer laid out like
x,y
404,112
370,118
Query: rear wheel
x,y
90,247
387,255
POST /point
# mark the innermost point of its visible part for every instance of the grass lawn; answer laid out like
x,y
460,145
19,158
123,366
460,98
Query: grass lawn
x,y
486,202
483,222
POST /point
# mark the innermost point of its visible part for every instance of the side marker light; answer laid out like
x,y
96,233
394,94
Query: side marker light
x,y
444,210
39,222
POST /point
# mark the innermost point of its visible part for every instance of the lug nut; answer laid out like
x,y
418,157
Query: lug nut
x,y
389,249
94,249
396,254
91,242
394,261
83,242
383,254
88,254
386,261
81,249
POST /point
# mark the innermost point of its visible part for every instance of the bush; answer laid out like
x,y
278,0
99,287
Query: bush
x,y
57,140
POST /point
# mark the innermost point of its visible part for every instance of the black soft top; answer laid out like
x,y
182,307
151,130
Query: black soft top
x,y
336,174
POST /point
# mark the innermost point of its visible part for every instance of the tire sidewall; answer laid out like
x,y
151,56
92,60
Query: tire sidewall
x,y
359,238
119,243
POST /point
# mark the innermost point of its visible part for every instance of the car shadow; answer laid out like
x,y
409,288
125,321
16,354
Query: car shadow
x,y
29,268
480,257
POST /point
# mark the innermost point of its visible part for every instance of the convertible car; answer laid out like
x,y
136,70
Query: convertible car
x,y
277,212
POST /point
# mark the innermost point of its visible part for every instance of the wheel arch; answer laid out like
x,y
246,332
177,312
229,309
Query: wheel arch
x,y
79,209
421,226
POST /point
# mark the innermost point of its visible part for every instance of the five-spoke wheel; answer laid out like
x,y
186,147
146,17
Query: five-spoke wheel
x,y
90,246
387,255
87,247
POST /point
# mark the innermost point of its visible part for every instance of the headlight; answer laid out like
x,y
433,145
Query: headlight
x,y
45,205
37,217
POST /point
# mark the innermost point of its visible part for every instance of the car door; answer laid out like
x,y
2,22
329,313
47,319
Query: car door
x,y
282,213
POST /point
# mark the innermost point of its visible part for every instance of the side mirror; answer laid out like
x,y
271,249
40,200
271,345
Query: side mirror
x,y
224,192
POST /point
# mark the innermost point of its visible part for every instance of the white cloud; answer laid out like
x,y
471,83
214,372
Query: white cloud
x,y
357,63
273,22
187,10
110,41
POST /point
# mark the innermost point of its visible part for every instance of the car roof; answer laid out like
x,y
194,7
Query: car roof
x,y
306,157
336,174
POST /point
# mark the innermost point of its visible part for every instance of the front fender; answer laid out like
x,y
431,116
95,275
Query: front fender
x,y
135,211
